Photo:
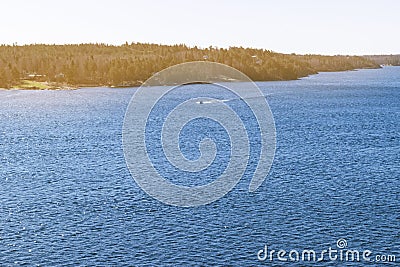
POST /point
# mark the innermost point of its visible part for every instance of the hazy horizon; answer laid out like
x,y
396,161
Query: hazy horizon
x,y
306,27
200,47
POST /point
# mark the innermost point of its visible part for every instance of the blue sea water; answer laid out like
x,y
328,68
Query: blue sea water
x,y
67,197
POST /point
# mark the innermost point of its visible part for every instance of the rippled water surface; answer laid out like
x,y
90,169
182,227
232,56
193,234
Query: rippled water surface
x,y
67,197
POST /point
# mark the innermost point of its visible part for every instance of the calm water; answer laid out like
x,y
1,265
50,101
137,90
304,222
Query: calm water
x,y
67,197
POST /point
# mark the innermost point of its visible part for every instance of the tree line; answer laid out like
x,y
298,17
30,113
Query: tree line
x,y
393,60
131,64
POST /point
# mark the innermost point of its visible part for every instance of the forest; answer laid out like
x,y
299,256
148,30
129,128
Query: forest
x,y
390,60
130,64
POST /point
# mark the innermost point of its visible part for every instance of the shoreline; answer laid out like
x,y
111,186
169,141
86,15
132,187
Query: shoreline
x,y
52,86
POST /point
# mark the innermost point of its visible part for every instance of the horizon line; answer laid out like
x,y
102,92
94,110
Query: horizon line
x,y
15,44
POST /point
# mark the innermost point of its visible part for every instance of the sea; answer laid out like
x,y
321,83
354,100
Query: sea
x,y
68,198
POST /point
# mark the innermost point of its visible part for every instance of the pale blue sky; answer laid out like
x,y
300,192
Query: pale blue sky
x,y
324,27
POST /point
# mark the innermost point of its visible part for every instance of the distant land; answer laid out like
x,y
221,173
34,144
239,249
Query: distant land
x,y
41,66
391,60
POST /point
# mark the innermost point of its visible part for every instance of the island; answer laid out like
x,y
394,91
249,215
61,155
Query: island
x,y
41,66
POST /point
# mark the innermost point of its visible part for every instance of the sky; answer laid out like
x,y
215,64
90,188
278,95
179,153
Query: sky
x,y
351,27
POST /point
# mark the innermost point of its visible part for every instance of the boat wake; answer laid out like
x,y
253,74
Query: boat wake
x,y
213,101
